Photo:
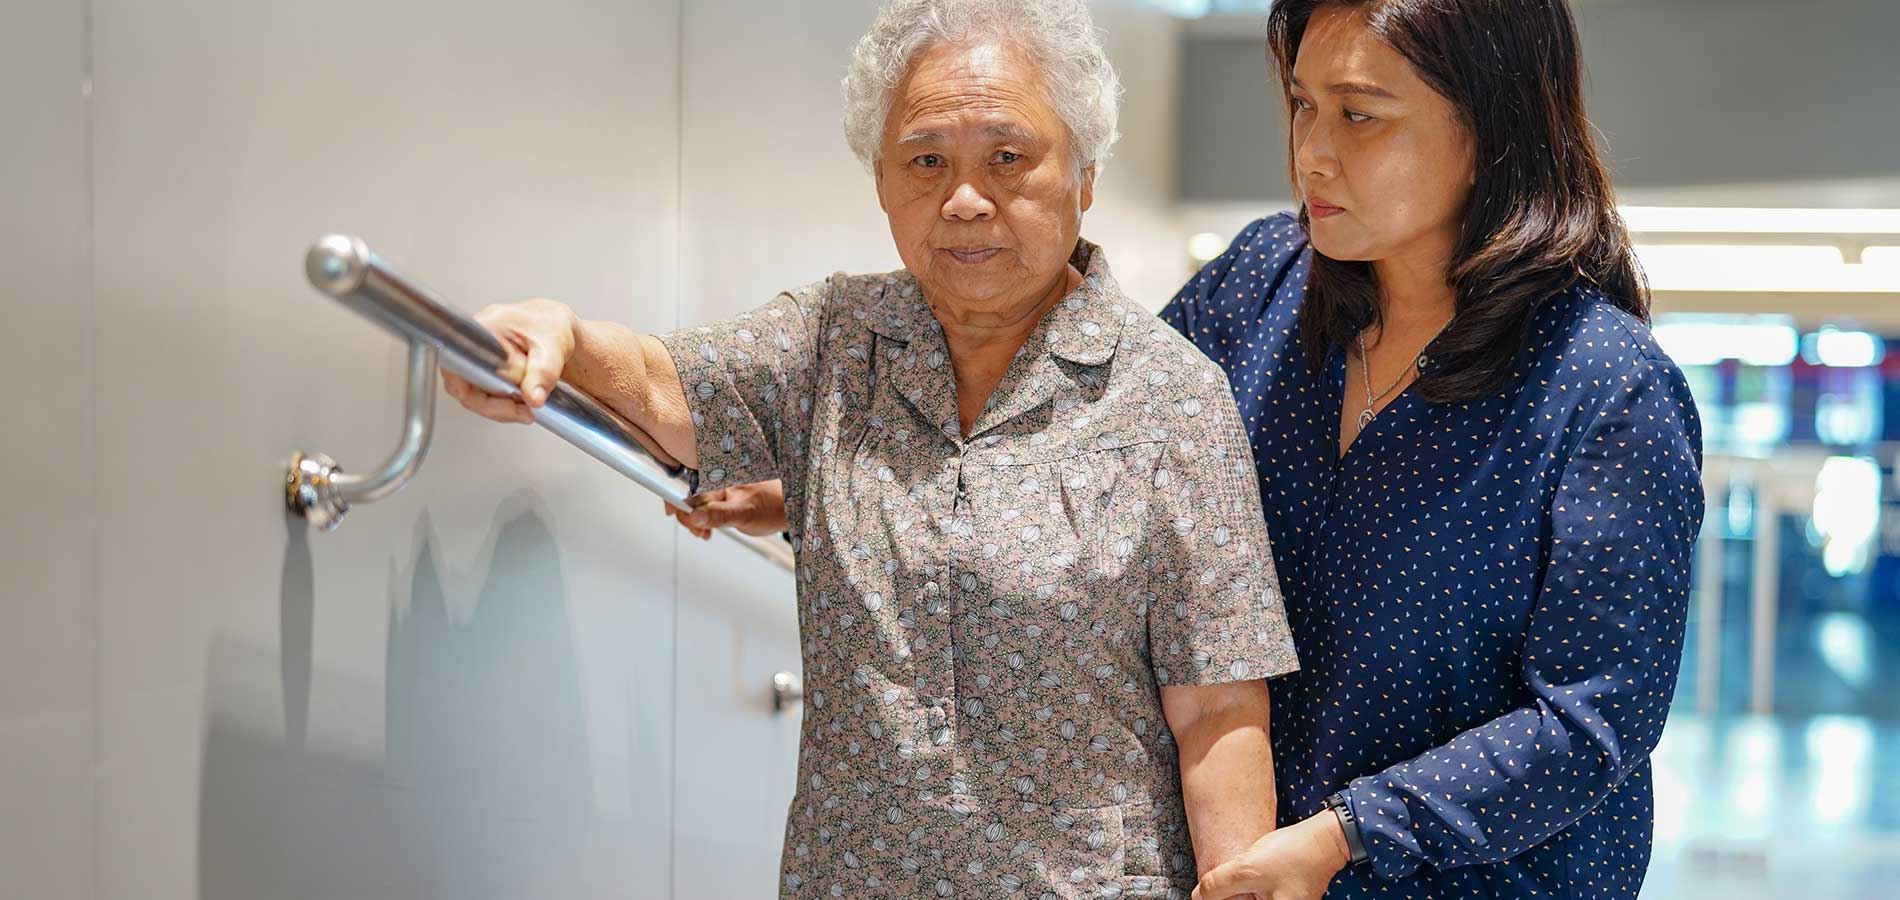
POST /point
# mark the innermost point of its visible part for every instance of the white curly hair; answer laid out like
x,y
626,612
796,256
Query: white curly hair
x,y
1058,35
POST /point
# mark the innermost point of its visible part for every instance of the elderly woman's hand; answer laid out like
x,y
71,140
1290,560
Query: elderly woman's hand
x,y
539,336
754,509
1292,863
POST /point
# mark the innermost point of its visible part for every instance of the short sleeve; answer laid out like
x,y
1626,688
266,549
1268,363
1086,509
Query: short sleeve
x,y
749,384
1219,616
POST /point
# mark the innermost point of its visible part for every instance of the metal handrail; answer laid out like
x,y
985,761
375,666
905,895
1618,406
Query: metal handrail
x,y
343,267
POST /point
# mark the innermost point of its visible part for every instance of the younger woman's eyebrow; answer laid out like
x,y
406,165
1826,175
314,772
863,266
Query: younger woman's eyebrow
x,y
1358,88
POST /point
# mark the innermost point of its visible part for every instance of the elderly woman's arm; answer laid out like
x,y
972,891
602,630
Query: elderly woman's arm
x,y
1221,731
1219,626
630,373
634,375
730,399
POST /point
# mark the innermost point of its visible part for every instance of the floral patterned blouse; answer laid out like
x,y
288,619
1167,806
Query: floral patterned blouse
x,y
987,620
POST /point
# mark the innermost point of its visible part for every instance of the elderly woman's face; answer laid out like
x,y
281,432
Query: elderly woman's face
x,y
980,182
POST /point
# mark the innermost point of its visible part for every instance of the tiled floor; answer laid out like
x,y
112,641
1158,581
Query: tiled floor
x,y
1757,807
1803,803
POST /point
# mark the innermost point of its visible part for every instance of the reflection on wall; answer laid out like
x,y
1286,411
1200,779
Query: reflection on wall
x,y
485,787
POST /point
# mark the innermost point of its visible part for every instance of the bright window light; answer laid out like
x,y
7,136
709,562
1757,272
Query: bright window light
x,y
1885,259
1846,647
1741,220
1205,246
1743,250
1759,426
1744,268
1694,340
1185,9
1845,420
1843,349
1841,758
1847,512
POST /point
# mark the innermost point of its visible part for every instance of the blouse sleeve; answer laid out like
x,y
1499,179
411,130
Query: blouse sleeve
x,y
1222,617
749,384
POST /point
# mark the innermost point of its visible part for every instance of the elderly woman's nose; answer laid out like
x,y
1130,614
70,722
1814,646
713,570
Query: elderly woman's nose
x,y
969,203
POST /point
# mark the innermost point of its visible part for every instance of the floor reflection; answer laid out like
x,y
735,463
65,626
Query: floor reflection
x,y
1759,807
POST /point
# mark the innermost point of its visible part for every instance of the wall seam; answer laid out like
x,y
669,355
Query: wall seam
x,y
679,303
90,268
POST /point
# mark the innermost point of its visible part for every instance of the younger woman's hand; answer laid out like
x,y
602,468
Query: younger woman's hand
x,y
1292,863
754,509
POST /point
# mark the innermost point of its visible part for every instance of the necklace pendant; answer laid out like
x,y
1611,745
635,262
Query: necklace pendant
x,y
1365,418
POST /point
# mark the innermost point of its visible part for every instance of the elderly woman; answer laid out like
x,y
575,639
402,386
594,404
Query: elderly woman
x,y
1035,591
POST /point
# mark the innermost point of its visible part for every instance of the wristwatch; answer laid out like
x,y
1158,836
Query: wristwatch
x,y
1348,823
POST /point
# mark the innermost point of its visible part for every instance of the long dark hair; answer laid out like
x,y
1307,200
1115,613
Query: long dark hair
x,y
1541,214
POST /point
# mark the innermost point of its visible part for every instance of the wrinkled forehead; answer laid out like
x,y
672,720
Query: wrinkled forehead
x,y
989,89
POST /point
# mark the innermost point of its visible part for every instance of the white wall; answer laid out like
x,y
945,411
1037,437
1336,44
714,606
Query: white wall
x,y
47,617
770,199
512,679
466,690
1134,218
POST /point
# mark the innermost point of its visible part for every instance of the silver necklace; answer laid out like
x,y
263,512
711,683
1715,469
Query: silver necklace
x,y
1365,369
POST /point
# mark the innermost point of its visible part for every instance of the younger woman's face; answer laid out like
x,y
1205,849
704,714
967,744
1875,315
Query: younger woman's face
x,y
1383,163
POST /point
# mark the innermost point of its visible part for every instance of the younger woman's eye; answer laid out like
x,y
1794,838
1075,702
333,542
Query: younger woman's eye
x,y
1356,118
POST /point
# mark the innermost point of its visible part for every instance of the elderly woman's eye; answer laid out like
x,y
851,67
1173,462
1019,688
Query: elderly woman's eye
x,y
929,160
1006,157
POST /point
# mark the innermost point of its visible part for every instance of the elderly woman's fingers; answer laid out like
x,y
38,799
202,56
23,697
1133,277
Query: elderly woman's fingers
x,y
537,335
500,409
484,404
453,384
543,370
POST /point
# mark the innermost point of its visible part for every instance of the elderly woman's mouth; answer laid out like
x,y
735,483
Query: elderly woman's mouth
x,y
974,254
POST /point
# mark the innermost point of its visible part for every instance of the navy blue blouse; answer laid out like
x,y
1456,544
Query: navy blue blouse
x,y
1487,596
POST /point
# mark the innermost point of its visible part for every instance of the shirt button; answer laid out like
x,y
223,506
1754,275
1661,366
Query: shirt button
x,y
1424,361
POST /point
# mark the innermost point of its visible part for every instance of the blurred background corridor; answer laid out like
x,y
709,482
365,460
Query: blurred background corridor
x,y
515,678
